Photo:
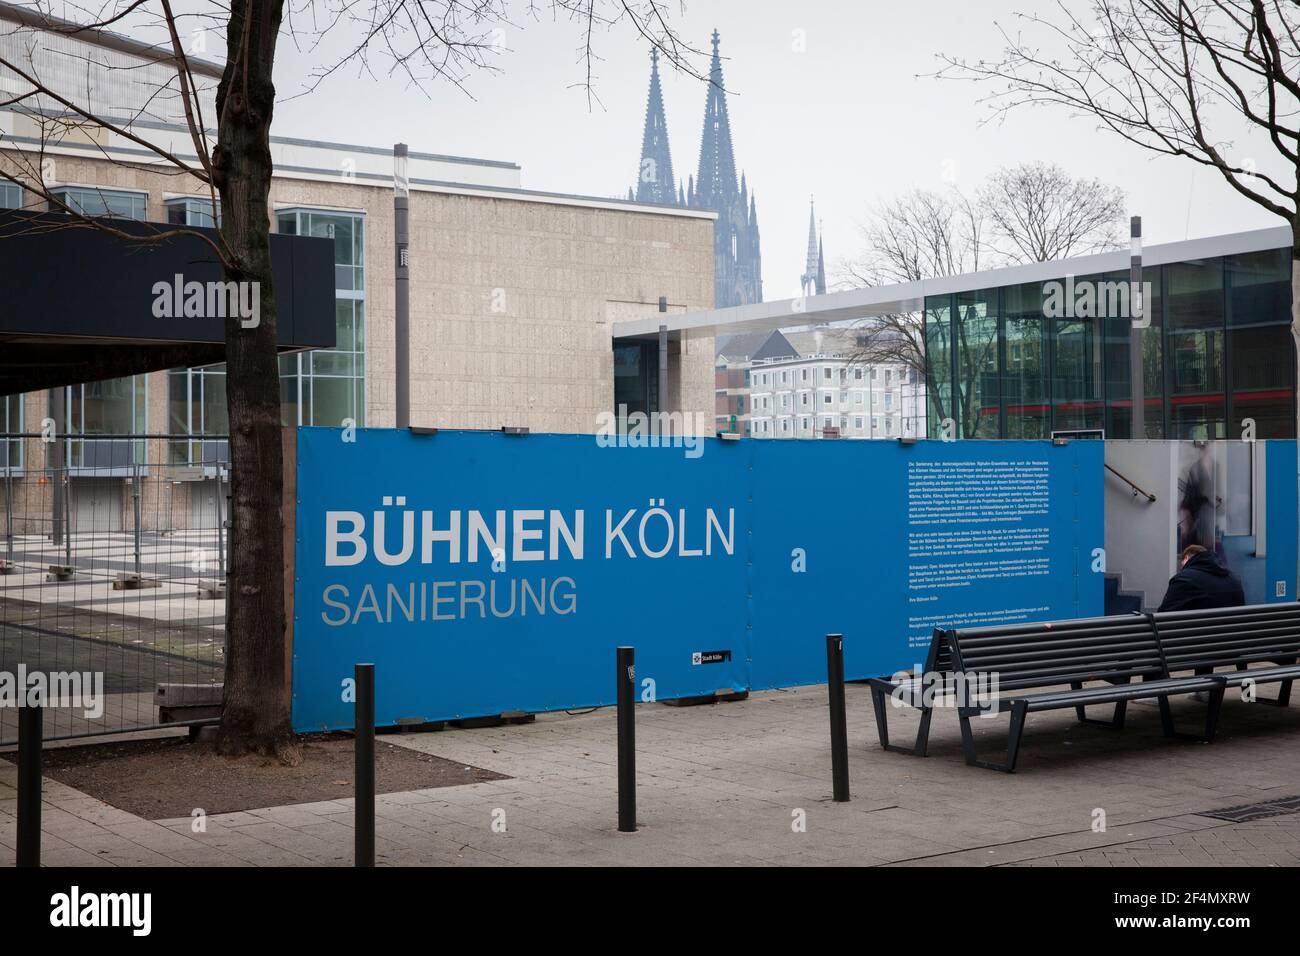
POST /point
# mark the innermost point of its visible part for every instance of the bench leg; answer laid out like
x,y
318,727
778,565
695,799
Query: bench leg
x,y
1115,722
1014,733
881,706
1211,718
1282,699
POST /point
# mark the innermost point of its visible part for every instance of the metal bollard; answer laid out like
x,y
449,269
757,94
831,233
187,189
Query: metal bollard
x,y
30,733
839,728
625,658
364,850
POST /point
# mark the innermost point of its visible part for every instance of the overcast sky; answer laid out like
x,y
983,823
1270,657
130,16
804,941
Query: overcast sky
x,y
852,120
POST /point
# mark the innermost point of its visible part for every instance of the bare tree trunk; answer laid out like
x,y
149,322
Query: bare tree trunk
x,y
255,712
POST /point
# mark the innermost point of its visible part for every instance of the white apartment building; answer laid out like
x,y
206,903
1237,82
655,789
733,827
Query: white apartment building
x,y
831,396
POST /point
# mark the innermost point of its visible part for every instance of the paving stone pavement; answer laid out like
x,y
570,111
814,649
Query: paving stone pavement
x,y
732,784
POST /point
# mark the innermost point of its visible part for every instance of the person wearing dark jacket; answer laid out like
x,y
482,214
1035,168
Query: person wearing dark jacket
x,y
1202,581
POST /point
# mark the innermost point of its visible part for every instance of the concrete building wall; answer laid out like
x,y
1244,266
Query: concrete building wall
x,y
511,298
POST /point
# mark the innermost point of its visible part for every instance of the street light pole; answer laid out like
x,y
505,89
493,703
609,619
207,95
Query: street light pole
x,y
402,291
1139,320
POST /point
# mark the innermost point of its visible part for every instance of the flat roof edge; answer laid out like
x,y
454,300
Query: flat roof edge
x,y
910,296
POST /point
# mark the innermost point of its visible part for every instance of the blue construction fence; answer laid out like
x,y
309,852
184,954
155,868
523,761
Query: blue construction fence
x,y
484,573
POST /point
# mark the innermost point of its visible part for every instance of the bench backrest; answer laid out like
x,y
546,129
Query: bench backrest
x,y
1226,636
1060,652
939,658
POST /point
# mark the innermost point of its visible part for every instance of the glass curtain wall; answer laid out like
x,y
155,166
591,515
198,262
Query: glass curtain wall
x,y
1023,361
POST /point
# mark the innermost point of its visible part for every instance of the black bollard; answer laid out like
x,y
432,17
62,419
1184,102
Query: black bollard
x,y
364,852
30,732
626,684
839,729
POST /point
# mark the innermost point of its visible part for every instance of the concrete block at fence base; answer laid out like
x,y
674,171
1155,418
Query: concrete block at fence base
x,y
188,695
6,567
412,725
60,572
182,702
130,581
494,720
212,590
719,696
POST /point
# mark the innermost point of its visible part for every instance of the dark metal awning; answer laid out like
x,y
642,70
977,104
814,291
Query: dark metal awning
x,y
78,304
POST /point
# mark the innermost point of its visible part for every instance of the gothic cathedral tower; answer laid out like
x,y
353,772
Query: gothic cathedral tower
x,y
737,269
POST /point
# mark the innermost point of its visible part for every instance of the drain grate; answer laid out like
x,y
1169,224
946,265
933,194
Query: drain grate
x,y
1255,811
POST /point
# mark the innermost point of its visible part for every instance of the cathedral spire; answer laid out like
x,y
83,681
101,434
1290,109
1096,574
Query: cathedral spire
x,y
821,264
654,181
813,280
715,183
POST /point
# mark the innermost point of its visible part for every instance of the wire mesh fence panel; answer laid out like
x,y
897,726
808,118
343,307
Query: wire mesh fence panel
x,y
112,580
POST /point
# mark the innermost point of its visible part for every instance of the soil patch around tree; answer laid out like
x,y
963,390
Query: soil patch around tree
x,y
161,779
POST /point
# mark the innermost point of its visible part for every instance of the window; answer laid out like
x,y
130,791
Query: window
x,y
805,374
1194,314
826,399
90,201
115,406
196,400
326,386
826,374
11,196
857,423
189,211
977,364
1024,375
857,374
889,401
889,426
1262,372
11,422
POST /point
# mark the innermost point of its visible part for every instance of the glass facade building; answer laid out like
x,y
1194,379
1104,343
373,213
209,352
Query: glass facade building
x,y
1023,361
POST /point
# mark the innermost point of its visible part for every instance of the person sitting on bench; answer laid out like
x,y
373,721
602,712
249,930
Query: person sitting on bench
x,y
1202,582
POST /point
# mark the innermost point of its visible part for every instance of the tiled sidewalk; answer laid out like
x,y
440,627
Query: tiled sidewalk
x,y
731,783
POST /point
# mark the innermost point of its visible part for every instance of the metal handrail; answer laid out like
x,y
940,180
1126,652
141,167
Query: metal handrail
x,y
1136,490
